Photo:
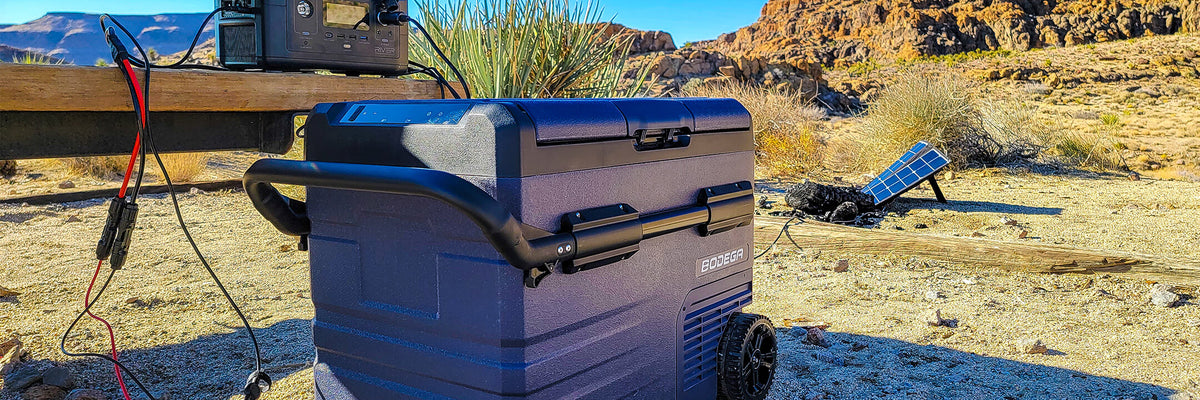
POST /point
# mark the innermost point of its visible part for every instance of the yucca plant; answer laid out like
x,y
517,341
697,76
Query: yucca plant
x,y
35,58
529,49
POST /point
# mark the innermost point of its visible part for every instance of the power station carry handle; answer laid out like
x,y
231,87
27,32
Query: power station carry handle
x,y
589,239
499,226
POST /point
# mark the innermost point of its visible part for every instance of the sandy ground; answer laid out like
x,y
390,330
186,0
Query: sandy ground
x,y
1106,340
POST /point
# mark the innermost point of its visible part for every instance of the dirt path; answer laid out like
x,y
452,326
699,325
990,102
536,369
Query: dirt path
x,y
1106,341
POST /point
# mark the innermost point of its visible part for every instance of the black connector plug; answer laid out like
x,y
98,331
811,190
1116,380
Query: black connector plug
x,y
119,51
107,237
124,236
256,384
391,18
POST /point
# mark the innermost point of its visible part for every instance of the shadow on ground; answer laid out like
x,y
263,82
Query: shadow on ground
x,y
215,367
208,367
904,204
892,369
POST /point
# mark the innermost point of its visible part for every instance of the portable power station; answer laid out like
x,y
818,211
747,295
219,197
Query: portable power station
x,y
293,35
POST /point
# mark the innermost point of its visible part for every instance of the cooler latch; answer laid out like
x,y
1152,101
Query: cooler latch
x,y
654,139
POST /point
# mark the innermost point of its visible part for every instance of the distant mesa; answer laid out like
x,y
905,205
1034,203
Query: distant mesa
x,y
76,37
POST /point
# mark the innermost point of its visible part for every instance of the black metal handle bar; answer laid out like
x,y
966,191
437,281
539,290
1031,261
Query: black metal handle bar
x,y
590,238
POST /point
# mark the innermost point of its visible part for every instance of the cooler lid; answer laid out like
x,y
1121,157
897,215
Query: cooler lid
x,y
591,120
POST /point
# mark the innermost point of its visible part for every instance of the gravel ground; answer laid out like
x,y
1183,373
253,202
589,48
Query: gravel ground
x,y
1105,340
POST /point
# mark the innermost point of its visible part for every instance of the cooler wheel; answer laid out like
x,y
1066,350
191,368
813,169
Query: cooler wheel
x,y
746,362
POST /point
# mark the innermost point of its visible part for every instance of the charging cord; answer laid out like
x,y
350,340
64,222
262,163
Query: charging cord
x,y
394,17
115,241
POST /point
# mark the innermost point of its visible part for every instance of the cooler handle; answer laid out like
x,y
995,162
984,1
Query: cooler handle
x,y
591,238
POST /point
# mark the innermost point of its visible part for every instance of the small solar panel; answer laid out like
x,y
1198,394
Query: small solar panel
x,y
918,164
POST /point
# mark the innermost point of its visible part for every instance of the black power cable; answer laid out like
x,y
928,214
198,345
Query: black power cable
x,y
62,344
397,18
258,380
432,43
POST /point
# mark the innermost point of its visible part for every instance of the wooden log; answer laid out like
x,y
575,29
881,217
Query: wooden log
x,y
77,88
1027,257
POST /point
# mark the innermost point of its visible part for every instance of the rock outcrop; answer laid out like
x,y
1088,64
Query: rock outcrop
x,y
835,32
673,70
643,41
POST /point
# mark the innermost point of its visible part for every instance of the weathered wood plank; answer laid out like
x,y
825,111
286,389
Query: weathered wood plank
x,y
1028,257
77,88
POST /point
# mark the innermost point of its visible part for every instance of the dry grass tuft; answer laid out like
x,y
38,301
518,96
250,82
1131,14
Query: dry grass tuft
x,y
185,167
96,167
786,127
936,109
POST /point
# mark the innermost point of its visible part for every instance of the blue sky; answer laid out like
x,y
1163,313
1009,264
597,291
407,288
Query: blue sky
x,y
686,20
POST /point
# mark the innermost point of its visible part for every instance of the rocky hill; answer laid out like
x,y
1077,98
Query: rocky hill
x,y
76,37
835,32
12,54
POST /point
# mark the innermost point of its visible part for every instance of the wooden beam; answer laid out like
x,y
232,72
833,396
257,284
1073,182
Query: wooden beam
x,y
1026,256
77,88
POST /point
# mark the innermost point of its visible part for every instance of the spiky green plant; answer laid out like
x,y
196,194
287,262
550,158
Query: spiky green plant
x,y
35,58
529,49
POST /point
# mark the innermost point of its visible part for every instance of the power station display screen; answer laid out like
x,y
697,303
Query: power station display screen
x,y
347,15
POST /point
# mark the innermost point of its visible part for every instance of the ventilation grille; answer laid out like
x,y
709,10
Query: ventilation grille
x,y
702,330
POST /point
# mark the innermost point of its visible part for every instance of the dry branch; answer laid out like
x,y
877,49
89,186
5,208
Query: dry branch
x,y
1027,257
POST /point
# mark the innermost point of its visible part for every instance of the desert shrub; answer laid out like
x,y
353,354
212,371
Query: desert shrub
x,y
96,167
36,59
919,107
1086,149
786,125
184,167
1111,121
1015,128
528,48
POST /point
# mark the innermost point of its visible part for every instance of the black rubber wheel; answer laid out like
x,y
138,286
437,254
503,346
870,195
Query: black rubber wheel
x,y
747,358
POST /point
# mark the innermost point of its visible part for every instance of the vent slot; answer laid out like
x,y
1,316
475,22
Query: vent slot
x,y
702,331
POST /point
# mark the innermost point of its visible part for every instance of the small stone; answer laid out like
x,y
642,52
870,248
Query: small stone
x,y
934,318
86,394
10,355
74,218
845,212
6,292
977,234
764,203
816,337
798,332
133,300
933,295
44,392
1033,346
22,378
66,185
1133,176
842,265
921,226
950,175
195,191
1023,235
830,358
1163,295
285,248
59,376
1008,221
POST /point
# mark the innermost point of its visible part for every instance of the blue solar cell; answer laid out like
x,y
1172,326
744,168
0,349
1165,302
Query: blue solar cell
x,y
915,166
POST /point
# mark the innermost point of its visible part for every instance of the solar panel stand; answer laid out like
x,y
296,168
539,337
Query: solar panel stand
x,y
937,190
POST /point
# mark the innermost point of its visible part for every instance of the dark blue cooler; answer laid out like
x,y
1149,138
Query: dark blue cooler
x,y
528,249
